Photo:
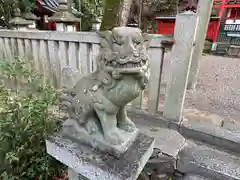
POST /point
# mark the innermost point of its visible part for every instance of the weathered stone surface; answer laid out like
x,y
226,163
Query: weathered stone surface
x,y
211,129
160,177
69,77
95,165
73,175
72,130
194,177
181,56
167,140
161,163
209,162
159,167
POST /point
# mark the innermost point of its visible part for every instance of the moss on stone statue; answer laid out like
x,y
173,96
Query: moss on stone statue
x,y
111,14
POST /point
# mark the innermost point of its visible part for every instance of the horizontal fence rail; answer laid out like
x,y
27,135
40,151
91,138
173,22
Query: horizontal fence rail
x,y
53,51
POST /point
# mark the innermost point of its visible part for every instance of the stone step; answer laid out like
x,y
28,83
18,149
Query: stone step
x,y
198,161
211,129
194,177
207,161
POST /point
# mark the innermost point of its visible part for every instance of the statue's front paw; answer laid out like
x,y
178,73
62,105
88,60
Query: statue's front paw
x,y
127,125
114,138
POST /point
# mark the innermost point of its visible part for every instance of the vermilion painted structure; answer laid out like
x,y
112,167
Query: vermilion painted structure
x,y
165,25
46,8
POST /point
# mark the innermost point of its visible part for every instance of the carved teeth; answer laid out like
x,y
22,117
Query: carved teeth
x,y
142,62
95,88
144,67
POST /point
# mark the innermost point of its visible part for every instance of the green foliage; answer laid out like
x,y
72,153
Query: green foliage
x,y
25,121
91,10
7,9
6,12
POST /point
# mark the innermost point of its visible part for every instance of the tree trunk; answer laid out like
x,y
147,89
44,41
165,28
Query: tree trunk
x,y
115,14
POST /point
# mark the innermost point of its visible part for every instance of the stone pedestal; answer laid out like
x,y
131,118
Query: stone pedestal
x,y
31,18
84,161
96,24
18,22
65,20
73,175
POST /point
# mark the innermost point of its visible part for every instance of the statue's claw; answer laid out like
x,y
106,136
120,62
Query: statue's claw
x,y
127,125
114,138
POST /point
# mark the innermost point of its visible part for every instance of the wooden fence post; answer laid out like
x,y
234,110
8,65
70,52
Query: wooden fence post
x,y
181,56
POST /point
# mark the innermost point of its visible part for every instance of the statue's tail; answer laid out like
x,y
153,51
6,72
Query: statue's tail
x,y
69,78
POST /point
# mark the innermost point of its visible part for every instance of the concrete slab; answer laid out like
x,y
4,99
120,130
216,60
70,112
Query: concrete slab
x,y
209,162
96,165
167,140
71,129
212,129
194,177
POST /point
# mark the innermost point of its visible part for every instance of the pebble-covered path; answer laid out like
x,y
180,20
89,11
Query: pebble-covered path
x,y
218,88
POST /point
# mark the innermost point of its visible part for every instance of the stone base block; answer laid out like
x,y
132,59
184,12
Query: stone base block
x,y
73,175
96,140
234,51
96,165
208,161
194,177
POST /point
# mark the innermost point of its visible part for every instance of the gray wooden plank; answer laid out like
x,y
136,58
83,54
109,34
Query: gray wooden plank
x,y
13,42
87,37
54,60
8,51
2,48
28,52
43,57
94,54
84,52
20,48
82,37
78,62
72,54
28,48
63,54
57,64
35,55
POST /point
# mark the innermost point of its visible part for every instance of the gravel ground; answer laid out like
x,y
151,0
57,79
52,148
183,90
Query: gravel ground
x,y
218,88
217,91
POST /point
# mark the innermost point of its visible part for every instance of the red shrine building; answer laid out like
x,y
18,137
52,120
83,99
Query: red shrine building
x,y
223,28
45,9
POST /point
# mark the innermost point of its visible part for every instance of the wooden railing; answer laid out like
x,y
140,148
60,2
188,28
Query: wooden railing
x,y
52,51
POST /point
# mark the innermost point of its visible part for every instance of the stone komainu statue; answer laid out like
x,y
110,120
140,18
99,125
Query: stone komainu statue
x,y
98,101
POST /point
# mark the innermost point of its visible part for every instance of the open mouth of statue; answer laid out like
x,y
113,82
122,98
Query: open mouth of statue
x,y
128,66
